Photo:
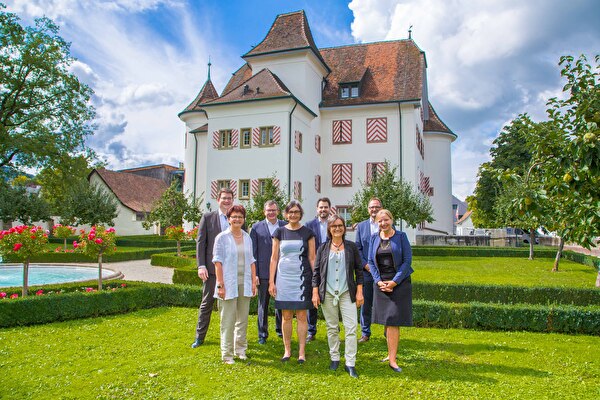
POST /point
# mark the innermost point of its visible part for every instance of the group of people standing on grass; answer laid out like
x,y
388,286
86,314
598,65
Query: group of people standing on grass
x,y
303,267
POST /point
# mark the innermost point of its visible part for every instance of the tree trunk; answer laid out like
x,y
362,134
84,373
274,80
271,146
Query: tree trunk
x,y
65,245
25,278
561,245
178,248
100,271
531,242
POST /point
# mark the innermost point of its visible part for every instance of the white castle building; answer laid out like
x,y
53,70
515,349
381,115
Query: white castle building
x,y
320,121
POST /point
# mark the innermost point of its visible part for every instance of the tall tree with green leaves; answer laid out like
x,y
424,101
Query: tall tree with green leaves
x,y
397,195
45,111
89,204
508,152
173,208
17,204
268,191
57,180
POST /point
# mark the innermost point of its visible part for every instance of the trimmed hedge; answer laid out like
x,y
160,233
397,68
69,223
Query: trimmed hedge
x,y
537,318
65,306
520,317
476,251
171,260
464,293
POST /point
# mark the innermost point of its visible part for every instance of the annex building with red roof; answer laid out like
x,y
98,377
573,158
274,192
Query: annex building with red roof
x,y
321,122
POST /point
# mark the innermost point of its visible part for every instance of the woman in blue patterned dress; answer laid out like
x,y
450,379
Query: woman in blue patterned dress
x,y
292,261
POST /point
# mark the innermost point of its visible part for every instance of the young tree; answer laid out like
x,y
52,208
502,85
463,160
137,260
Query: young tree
x,y
87,204
397,195
98,242
269,191
44,109
17,204
173,208
508,152
57,180
23,242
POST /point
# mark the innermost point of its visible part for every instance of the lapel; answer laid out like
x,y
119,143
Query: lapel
x,y
268,235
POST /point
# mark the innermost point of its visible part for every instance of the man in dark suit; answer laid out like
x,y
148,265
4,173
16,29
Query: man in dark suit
x,y
262,246
211,225
364,230
319,228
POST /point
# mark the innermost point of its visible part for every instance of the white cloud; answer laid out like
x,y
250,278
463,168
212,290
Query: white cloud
x,y
488,61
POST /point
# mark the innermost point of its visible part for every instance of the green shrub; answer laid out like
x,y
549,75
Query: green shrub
x,y
584,259
171,260
477,251
519,317
507,294
60,307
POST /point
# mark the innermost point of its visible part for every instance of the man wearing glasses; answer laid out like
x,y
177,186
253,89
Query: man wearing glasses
x,y
262,246
211,225
364,230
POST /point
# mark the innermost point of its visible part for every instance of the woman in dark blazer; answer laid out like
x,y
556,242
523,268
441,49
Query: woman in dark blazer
x,y
337,286
390,258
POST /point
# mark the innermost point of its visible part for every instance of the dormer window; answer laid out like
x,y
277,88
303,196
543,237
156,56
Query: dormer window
x,y
349,90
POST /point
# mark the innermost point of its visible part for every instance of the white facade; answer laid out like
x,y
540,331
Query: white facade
x,y
423,158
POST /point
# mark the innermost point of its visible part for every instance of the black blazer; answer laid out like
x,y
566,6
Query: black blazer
x,y
208,229
354,268
262,247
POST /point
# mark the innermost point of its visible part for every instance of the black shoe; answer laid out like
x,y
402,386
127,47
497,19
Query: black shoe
x,y
262,340
351,371
197,343
301,361
285,359
310,338
334,365
280,335
396,369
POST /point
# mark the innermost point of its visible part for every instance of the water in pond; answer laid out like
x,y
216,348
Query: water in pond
x,y
12,275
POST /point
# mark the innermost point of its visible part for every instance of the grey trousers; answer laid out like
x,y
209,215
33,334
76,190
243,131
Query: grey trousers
x,y
206,307
331,313
234,325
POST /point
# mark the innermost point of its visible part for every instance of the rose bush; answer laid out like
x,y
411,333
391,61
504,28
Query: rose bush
x,y
23,242
97,242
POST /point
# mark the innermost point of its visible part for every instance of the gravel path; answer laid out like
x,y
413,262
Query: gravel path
x,y
140,270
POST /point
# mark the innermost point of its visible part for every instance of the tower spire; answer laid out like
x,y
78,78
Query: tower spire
x,y
209,64
410,32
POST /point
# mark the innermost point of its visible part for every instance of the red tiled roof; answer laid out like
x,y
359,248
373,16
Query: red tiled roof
x,y
238,77
135,191
203,128
393,71
435,124
147,167
207,93
263,85
289,32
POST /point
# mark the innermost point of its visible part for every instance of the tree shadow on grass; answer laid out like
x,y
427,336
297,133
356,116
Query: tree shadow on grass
x,y
420,361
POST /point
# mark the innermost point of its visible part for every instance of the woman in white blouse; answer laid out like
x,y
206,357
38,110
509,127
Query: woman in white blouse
x,y
235,270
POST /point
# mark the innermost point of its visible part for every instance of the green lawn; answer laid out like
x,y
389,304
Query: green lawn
x,y
146,355
502,271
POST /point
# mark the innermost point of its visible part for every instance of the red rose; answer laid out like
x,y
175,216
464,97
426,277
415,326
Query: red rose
x,y
17,246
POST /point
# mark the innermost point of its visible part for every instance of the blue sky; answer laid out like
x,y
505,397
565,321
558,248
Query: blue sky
x,y
488,60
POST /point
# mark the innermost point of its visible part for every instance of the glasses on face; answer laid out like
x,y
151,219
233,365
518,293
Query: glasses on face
x,y
293,212
271,211
236,217
226,198
340,226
